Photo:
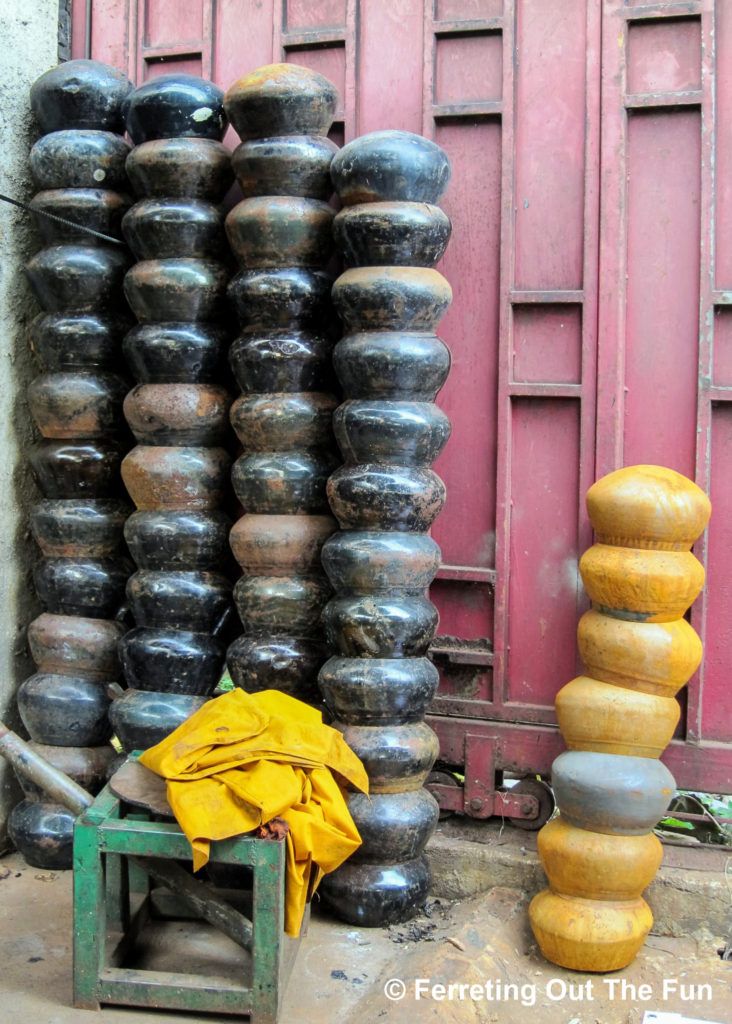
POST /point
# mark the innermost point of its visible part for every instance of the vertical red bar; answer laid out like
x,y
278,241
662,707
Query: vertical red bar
x,y
613,218
503,398
710,615
78,29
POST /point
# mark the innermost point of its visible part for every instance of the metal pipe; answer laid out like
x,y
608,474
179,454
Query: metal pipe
x,y
88,30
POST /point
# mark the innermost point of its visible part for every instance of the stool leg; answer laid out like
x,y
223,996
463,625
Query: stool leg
x,y
268,921
90,926
117,886
138,880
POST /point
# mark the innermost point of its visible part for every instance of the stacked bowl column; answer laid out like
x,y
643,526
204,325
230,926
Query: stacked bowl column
x,y
178,474
638,650
79,168
391,366
281,235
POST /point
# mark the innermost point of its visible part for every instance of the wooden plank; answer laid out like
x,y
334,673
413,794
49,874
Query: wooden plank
x,y
501,711
150,53
466,615
466,528
304,15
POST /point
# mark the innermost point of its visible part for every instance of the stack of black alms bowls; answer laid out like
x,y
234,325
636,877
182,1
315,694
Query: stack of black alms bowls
x,y
79,168
281,235
178,475
385,497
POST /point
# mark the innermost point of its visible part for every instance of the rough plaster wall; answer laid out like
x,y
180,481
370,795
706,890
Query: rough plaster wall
x,y
30,47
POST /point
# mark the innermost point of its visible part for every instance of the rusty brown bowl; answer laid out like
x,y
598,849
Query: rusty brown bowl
x,y
101,210
168,228
80,94
178,414
77,469
281,231
80,158
291,165
281,99
79,527
174,477
78,278
71,645
177,289
280,545
392,234
192,168
284,422
83,405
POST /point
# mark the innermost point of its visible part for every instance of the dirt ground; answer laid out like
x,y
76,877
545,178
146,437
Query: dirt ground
x,y
482,947
486,942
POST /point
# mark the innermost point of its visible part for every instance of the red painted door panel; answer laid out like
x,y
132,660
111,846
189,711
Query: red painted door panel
x,y
591,327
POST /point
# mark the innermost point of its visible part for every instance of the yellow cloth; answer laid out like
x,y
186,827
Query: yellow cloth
x,y
243,759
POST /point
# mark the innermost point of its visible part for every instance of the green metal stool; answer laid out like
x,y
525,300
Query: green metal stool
x,y
117,853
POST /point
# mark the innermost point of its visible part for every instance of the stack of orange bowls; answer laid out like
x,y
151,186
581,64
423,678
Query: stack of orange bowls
x,y
600,853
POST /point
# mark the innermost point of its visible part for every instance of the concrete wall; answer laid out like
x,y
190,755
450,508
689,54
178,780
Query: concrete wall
x,y
30,47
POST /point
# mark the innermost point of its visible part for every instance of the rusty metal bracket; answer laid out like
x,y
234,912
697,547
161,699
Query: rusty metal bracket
x,y
481,795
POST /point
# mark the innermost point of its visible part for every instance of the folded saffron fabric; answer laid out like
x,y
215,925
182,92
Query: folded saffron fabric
x,y
243,759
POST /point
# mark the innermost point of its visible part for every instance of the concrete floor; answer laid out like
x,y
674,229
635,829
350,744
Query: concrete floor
x,y
341,973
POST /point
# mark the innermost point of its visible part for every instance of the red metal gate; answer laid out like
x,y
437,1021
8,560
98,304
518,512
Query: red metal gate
x,y
592,321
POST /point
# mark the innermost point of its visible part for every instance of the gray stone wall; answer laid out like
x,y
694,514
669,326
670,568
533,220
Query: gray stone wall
x,y
64,30
30,47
